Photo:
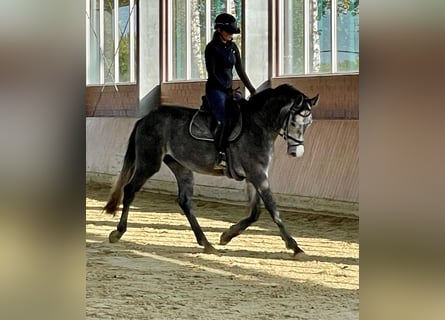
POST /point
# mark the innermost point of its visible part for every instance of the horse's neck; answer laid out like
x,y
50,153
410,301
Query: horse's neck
x,y
269,119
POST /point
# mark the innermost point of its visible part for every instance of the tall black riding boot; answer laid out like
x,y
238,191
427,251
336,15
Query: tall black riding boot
x,y
220,162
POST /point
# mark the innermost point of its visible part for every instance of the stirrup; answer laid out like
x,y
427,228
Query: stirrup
x,y
221,162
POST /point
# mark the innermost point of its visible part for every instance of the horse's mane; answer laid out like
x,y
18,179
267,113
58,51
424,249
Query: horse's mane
x,y
260,97
288,90
258,100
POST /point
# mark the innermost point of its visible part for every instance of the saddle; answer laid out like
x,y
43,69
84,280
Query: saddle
x,y
203,125
203,122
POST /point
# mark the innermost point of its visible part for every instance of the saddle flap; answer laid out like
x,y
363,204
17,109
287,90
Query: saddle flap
x,y
202,124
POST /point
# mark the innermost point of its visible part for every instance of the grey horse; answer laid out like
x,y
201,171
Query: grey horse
x,y
163,136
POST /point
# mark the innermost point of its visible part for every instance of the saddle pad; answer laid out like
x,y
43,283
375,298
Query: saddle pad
x,y
200,127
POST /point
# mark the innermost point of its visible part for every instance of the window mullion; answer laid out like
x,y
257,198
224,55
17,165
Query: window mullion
x,y
334,36
102,41
208,21
189,40
116,41
132,50
87,36
307,36
170,40
281,31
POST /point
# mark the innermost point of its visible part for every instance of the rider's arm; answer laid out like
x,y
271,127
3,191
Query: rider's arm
x,y
241,72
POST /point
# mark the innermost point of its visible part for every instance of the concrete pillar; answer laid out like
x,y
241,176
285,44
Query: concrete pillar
x,y
256,31
149,55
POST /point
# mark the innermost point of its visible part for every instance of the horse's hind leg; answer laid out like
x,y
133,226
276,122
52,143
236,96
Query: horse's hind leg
x,y
237,229
184,178
142,174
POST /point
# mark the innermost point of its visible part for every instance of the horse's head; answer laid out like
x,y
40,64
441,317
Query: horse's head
x,y
292,113
299,118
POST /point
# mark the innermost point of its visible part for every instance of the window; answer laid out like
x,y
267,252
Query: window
x,y
190,25
111,41
318,36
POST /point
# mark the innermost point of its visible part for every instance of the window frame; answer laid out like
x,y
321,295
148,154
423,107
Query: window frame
x,y
133,29
280,27
169,64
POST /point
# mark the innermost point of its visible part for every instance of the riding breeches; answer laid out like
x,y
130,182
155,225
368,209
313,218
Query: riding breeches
x,y
217,103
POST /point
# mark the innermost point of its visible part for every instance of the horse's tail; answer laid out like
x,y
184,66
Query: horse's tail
x,y
124,177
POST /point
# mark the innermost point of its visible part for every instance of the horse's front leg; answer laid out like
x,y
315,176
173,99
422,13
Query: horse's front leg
x,y
266,195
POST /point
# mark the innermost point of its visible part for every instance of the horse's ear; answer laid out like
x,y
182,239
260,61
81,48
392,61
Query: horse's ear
x,y
314,100
299,100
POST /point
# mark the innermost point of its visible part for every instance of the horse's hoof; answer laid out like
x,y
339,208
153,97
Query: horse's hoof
x,y
223,240
114,236
211,250
301,256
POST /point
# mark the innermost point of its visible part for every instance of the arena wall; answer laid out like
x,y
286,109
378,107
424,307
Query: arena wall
x,y
325,180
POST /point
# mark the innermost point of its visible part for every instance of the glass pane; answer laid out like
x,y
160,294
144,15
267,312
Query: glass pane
x,y
195,41
109,40
236,12
124,41
293,37
134,14
348,36
105,57
198,38
320,36
179,49
94,57
218,6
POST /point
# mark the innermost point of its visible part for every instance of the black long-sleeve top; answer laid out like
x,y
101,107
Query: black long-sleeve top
x,y
220,59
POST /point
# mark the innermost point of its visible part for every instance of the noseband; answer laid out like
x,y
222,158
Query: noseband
x,y
304,112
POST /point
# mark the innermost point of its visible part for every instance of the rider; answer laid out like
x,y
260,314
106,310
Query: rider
x,y
221,54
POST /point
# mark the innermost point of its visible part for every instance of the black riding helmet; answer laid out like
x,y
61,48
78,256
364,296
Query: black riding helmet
x,y
226,22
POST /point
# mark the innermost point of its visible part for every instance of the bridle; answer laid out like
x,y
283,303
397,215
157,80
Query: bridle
x,y
297,108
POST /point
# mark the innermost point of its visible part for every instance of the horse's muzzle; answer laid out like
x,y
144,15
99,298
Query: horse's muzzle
x,y
295,150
